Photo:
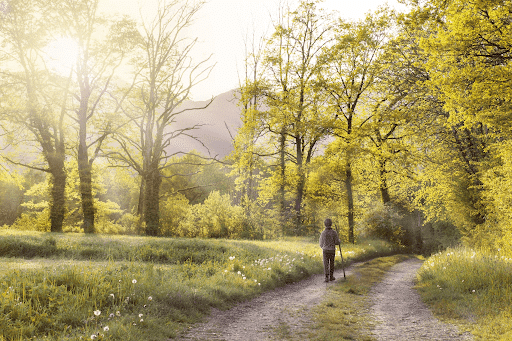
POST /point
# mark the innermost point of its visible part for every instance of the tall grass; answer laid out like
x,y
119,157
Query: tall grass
x,y
73,286
473,288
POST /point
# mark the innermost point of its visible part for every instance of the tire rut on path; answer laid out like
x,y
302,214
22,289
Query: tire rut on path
x,y
401,315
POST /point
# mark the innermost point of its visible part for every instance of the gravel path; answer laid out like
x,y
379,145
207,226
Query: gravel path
x,y
400,313
396,306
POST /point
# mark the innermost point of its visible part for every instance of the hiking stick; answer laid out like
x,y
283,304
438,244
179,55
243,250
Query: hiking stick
x,y
341,253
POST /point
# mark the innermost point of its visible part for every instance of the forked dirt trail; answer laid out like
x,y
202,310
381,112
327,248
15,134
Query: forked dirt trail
x,y
401,315
397,308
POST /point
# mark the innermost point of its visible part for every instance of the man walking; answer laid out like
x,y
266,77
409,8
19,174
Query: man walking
x,y
328,241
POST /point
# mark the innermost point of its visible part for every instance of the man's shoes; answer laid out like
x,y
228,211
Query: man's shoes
x,y
332,278
326,279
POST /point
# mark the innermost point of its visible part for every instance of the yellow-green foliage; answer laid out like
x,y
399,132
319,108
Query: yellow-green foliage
x,y
467,45
139,288
468,63
174,211
215,218
471,286
498,185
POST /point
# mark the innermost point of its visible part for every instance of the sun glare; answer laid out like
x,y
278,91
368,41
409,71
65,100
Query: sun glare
x,y
61,55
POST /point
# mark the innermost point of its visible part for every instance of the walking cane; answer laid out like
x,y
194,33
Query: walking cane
x,y
341,253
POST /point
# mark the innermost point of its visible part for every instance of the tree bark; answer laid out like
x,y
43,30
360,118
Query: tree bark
x,y
58,196
350,202
54,153
84,166
282,168
383,185
300,185
152,202
85,175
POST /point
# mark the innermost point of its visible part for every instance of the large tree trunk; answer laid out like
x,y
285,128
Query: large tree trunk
x,y
152,202
84,166
350,202
54,155
58,197
85,175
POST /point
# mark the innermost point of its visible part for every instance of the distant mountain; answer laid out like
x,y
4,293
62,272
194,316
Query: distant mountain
x,y
218,120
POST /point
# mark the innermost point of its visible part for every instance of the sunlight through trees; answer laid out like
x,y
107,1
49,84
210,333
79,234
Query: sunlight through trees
x,y
397,124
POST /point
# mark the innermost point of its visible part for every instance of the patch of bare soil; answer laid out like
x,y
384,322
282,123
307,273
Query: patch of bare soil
x,y
283,310
400,313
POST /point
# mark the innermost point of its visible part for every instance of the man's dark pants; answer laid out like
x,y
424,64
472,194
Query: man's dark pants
x,y
329,262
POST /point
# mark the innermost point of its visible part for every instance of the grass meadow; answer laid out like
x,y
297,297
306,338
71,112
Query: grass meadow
x,y
472,289
82,287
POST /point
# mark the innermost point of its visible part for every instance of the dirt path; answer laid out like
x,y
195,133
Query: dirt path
x,y
400,313
262,318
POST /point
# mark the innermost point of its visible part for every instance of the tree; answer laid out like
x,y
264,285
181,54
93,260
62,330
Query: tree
x,y
466,58
293,112
96,65
246,158
401,108
33,100
165,75
349,75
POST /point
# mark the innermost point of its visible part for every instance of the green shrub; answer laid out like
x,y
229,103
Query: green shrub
x,y
438,236
215,218
130,222
33,221
386,222
174,211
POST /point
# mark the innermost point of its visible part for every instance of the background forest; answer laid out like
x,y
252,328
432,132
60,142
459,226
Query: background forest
x,y
397,126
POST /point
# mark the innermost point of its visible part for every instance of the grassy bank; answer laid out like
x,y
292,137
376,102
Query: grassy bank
x,y
472,289
73,286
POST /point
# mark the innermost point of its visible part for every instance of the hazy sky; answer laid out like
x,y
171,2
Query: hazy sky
x,y
221,26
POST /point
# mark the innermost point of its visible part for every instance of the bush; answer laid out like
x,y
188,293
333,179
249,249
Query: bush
x,y
216,218
386,222
129,222
33,221
438,236
174,210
